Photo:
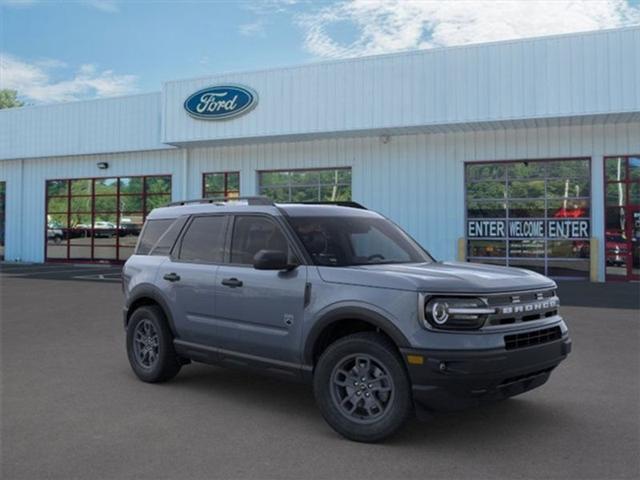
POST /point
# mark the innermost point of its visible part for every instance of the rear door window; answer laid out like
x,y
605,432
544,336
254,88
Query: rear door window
x,y
204,240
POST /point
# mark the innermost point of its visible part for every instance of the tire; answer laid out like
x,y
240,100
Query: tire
x,y
383,405
160,362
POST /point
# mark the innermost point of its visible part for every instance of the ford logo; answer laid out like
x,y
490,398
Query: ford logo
x,y
221,102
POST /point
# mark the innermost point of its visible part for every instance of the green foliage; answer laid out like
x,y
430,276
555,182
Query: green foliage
x,y
9,99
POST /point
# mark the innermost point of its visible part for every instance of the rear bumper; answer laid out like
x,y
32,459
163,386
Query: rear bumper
x,y
454,379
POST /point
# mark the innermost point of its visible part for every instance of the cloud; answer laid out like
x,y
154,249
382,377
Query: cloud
x,y
109,6
34,81
265,7
387,26
252,29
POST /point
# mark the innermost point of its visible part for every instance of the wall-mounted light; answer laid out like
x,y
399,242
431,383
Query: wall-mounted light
x,y
102,165
385,138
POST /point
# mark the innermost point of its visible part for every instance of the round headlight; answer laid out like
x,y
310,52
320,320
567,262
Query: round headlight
x,y
453,313
439,312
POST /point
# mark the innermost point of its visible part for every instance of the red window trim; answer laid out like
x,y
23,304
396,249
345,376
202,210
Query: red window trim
x,y
221,193
627,206
93,213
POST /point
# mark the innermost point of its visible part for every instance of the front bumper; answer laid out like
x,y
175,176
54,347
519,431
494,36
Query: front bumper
x,y
454,379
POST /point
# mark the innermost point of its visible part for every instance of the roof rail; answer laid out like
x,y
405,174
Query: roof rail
x,y
222,200
339,203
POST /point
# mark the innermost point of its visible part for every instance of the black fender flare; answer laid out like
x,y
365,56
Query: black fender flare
x,y
351,312
151,292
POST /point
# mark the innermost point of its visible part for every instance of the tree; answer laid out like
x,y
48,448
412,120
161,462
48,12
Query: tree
x,y
9,99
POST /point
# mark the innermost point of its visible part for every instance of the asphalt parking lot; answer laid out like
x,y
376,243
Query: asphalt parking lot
x,y
71,407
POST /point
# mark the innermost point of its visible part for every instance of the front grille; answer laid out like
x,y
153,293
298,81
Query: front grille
x,y
528,339
522,307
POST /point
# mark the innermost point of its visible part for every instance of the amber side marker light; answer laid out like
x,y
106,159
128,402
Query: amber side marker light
x,y
415,359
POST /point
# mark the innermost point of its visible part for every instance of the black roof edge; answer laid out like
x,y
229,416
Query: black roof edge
x,y
251,200
345,203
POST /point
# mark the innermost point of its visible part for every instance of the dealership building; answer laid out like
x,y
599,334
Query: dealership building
x,y
522,153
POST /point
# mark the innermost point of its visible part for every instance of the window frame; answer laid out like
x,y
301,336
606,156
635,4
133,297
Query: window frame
x,y
225,193
3,217
508,259
93,213
289,185
627,207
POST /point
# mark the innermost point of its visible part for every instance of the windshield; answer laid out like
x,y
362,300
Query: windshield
x,y
340,241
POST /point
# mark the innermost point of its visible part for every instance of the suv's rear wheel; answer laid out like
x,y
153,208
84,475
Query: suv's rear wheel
x,y
362,388
150,346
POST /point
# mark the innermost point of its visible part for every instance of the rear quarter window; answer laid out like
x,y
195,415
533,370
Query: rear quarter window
x,y
151,233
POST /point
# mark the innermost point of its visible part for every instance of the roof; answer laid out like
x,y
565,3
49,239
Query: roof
x,y
292,209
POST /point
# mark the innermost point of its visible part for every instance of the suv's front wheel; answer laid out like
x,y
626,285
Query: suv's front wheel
x,y
362,388
150,346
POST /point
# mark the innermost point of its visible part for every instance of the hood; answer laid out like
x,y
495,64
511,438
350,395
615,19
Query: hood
x,y
438,277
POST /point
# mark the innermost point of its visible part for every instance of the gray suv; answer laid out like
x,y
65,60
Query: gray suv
x,y
340,297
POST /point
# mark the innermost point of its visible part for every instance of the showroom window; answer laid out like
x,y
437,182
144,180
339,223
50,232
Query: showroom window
x,y
100,219
221,184
532,214
3,187
325,185
622,217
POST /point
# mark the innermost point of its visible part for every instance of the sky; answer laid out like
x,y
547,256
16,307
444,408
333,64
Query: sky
x,y
57,51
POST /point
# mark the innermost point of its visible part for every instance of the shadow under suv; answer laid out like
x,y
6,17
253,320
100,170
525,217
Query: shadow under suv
x,y
340,297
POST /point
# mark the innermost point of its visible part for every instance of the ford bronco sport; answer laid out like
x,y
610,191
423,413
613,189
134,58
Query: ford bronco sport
x,y
338,296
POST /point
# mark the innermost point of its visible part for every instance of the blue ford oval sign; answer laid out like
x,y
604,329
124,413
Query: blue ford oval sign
x,y
221,102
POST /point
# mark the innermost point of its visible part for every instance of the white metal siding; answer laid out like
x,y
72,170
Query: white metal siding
x,y
416,180
562,76
25,215
97,126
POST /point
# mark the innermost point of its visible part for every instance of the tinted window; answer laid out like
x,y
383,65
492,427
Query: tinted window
x,y
166,241
252,234
343,241
204,239
151,233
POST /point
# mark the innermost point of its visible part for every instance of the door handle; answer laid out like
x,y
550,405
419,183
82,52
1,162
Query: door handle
x,y
232,282
171,277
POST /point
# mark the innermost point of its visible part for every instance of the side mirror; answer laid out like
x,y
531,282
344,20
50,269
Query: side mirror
x,y
272,260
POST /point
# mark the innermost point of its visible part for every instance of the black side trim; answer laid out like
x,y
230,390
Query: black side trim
x,y
351,313
229,358
307,294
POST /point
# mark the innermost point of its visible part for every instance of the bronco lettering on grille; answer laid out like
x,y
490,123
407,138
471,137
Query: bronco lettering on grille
x,y
529,307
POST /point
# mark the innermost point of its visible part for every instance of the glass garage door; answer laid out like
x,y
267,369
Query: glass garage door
x,y
622,217
532,214
99,219
2,200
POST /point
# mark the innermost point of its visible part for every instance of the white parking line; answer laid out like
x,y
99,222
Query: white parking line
x,y
107,277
